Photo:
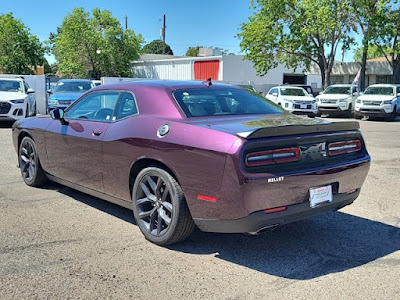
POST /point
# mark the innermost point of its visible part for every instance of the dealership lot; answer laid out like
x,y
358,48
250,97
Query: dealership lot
x,y
58,243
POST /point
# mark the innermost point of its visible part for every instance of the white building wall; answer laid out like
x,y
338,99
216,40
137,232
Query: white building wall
x,y
164,69
315,81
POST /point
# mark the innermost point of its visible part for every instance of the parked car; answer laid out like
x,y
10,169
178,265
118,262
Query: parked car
x,y
338,99
66,91
181,154
17,100
293,99
379,100
308,89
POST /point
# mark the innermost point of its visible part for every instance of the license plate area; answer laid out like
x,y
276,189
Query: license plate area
x,y
320,195
303,106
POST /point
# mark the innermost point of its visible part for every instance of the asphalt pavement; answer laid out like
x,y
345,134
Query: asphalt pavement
x,y
57,243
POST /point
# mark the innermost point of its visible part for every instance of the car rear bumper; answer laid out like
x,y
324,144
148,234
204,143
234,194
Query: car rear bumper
x,y
260,220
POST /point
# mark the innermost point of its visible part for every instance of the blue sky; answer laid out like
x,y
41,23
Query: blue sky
x,y
189,23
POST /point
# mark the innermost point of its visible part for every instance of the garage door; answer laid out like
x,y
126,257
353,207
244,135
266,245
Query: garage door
x,y
206,69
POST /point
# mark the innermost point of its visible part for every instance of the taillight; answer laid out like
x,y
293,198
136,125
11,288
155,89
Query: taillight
x,y
271,157
337,148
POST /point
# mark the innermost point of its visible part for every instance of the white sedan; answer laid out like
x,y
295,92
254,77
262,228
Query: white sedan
x,y
17,100
293,99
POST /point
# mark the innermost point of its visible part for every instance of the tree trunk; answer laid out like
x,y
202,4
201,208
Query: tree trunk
x,y
363,66
327,78
396,71
322,71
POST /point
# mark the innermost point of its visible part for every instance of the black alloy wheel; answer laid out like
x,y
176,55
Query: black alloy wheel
x,y
31,170
160,208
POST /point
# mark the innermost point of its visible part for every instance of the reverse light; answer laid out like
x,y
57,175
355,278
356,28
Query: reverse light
x,y
271,157
337,148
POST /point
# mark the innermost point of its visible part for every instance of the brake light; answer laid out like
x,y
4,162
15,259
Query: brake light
x,y
337,148
271,157
276,209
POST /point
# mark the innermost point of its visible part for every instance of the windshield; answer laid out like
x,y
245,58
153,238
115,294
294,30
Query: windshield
x,y
223,101
293,92
380,90
72,86
10,86
337,90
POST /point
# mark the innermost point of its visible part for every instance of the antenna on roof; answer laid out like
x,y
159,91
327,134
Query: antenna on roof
x,y
208,82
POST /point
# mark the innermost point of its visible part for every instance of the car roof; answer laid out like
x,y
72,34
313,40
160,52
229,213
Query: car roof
x,y
384,85
12,78
288,86
343,84
168,84
74,80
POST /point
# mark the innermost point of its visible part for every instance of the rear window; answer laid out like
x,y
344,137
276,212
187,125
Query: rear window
x,y
223,101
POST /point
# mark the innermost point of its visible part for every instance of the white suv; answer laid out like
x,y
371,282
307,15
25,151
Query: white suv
x,y
17,100
379,100
293,99
338,98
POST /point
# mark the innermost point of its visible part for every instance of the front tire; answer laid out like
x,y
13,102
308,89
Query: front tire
x,y
29,163
159,207
349,112
392,116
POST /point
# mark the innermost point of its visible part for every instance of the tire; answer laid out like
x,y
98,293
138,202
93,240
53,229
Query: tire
x,y
311,115
349,112
319,114
357,116
27,111
160,208
31,170
392,116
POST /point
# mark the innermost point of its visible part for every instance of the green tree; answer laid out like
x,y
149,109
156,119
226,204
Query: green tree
x,y
388,40
193,51
94,45
20,51
368,15
296,33
374,51
157,47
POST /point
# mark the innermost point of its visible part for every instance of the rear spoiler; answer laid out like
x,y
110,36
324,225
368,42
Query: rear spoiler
x,y
299,129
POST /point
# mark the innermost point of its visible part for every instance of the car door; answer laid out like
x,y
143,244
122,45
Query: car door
x,y
273,95
74,149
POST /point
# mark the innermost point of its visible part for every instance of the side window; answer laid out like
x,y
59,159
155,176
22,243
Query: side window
x,y
26,86
98,106
274,91
126,106
398,90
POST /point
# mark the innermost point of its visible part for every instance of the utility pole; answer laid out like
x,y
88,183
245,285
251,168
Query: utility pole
x,y
126,23
163,35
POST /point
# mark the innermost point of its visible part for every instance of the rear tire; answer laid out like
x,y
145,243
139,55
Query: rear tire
x,y
319,114
29,163
160,208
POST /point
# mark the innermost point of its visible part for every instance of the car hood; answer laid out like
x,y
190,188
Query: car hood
x,y
65,96
257,126
333,96
5,96
299,98
375,97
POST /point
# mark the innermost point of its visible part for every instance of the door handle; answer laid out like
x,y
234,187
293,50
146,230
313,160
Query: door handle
x,y
97,132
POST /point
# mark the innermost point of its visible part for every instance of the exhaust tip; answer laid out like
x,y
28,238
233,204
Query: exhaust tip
x,y
265,229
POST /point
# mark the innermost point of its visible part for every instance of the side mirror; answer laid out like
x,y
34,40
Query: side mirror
x,y
30,91
398,94
58,114
355,94
361,93
320,93
49,91
275,94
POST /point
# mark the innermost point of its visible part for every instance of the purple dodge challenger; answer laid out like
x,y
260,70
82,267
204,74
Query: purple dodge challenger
x,y
182,154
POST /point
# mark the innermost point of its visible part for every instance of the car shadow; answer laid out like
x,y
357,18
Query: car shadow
x,y
329,243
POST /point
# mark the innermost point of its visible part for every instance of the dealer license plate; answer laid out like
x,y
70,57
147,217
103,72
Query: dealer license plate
x,y
319,195
303,106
